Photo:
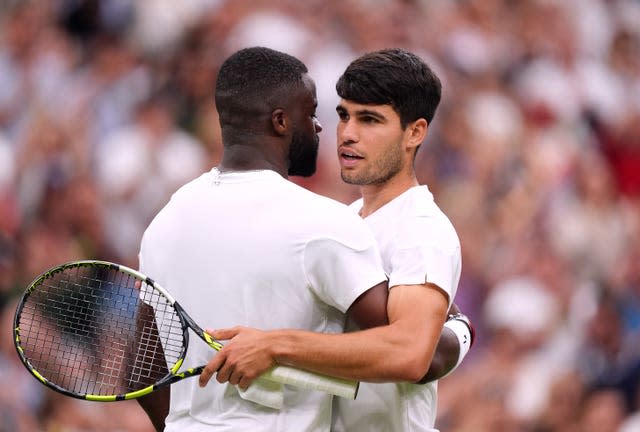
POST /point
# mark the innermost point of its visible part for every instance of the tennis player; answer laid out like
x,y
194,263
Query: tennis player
x,y
241,243
388,100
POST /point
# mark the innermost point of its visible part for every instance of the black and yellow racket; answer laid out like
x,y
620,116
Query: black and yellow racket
x,y
100,331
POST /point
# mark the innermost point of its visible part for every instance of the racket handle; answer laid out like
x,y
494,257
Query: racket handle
x,y
313,381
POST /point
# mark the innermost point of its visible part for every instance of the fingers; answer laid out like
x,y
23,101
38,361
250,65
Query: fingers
x,y
224,334
240,361
224,373
217,364
228,375
211,368
244,383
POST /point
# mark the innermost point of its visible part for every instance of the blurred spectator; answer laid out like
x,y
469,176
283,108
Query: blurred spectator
x,y
609,357
50,155
588,215
602,410
620,141
138,167
563,406
21,396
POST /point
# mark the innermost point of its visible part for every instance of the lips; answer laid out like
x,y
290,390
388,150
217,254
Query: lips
x,y
349,158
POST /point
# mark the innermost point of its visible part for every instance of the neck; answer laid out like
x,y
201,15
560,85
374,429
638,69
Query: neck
x,y
375,196
247,157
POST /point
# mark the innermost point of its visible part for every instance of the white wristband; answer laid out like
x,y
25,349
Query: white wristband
x,y
463,333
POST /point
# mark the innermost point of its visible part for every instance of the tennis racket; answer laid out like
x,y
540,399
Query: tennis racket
x,y
100,331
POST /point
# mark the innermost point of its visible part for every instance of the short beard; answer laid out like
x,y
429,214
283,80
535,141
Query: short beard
x,y
380,172
303,155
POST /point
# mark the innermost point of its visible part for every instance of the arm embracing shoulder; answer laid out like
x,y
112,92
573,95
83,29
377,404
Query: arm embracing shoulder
x,y
400,351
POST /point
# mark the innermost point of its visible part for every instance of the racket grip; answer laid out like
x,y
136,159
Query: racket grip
x,y
312,381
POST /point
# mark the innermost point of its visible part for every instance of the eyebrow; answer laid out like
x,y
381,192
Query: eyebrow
x,y
363,112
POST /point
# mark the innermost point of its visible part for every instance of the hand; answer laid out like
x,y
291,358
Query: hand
x,y
245,357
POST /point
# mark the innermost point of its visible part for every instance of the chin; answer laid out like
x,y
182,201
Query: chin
x,y
348,179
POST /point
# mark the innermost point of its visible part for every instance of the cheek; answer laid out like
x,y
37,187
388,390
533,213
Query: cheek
x,y
380,144
340,132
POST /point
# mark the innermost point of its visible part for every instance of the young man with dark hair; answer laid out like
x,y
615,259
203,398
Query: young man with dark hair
x,y
388,100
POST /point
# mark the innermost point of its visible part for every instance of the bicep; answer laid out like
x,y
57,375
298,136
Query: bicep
x,y
370,308
419,310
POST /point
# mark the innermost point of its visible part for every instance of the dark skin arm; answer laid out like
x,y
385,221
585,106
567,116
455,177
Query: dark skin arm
x,y
446,355
155,404
369,310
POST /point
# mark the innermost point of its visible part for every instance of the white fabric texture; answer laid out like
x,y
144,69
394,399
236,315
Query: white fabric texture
x,y
418,244
255,249
264,392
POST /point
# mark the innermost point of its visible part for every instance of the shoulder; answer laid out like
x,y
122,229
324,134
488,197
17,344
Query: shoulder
x,y
320,204
326,218
425,220
192,187
181,200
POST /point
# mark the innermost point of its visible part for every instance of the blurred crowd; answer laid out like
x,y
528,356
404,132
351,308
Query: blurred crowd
x,y
106,108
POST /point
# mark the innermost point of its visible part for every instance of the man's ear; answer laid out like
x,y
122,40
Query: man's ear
x,y
280,121
417,132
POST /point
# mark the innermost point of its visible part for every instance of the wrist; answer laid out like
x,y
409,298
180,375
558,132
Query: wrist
x,y
461,326
460,317
282,345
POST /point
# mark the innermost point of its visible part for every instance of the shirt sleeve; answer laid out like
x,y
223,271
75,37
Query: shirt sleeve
x,y
428,252
339,271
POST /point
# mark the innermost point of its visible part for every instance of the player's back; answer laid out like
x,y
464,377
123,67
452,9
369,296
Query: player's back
x,y
255,249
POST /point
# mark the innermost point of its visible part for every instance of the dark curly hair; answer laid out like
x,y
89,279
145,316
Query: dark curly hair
x,y
251,81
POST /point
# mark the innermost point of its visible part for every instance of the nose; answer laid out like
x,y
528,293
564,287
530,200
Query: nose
x,y
347,132
317,125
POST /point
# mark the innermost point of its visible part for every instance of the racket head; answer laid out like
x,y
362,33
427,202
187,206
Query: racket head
x,y
99,331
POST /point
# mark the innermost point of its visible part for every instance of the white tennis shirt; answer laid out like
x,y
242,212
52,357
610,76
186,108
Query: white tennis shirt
x,y
251,248
418,244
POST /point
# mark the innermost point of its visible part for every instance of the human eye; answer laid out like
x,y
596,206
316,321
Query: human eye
x,y
367,119
342,114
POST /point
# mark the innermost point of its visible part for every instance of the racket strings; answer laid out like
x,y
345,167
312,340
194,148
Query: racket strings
x,y
96,330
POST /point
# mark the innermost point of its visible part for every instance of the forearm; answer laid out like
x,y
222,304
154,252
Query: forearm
x,y
444,358
156,406
382,354
455,341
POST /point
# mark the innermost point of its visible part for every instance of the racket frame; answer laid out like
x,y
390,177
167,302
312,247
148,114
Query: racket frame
x,y
172,376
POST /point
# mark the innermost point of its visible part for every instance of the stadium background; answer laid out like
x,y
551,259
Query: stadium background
x,y
106,107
